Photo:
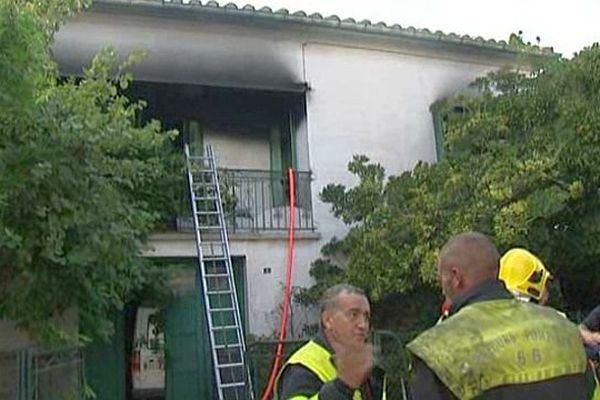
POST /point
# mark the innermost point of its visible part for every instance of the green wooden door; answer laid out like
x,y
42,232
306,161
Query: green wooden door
x,y
189,365
194,136
189,375
105,364
276,167
239,276
283,157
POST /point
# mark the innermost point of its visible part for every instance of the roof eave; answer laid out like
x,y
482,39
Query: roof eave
x,y
176,9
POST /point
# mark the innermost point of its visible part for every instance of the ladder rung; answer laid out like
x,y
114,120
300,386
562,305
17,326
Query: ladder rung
x,y
205,184
230,385
230,365
219,292
228,346
221,309
212,252
208,213
231,351
201,170
212,227
212,270
214,258
225,327
204,172
216,275
205,198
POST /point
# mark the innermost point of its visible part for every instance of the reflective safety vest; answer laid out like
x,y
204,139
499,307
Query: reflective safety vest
x,y
500,342
317,359
596,392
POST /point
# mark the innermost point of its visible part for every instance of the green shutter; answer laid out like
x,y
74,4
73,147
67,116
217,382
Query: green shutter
x,y
105,364
288,143
193,133
189,372
438,129
276,167
239,267
292,126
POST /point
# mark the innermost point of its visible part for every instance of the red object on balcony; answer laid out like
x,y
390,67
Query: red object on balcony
x,y
135,361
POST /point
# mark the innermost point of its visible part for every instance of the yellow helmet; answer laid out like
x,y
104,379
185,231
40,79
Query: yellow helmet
x,y
524,273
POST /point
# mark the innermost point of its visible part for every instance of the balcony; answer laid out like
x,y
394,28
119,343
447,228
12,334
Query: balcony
x,y
258,200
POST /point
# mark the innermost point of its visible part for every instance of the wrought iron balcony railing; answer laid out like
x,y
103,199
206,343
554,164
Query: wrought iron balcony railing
x,y
257,200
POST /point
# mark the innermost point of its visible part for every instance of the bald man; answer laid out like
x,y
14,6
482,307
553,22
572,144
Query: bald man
x,y
493,346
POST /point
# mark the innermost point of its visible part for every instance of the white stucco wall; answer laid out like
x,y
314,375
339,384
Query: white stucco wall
x,y
240,150
266,261
375,103
368,95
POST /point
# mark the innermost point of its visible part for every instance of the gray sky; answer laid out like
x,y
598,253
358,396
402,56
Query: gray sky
x,y
566,25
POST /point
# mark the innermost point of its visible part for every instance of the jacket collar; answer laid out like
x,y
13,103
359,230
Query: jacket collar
x,y
486,291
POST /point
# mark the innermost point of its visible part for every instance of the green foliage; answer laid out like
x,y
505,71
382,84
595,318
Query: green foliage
x,y
23,59
51,13
82,184
516,41
325,274
520,164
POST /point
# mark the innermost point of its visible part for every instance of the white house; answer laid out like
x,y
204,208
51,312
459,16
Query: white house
x,y
271,90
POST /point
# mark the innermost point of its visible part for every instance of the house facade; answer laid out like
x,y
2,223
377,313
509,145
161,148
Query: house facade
x,y
270,90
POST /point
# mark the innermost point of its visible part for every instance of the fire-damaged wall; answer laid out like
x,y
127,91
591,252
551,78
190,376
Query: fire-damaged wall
x,y
365,94
182,51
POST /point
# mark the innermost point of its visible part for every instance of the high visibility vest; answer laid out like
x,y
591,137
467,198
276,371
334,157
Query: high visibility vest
x,y
317,359
500,342
596,393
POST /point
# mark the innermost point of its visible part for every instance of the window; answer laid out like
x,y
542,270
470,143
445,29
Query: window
x,y
440,118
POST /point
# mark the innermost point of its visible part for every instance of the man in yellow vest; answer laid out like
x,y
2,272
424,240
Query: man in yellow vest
x,y
494,346
528,279
338,364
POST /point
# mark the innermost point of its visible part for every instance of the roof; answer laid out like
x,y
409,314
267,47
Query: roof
x,y
333,22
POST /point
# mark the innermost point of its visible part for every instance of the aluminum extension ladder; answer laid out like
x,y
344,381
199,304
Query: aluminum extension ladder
x,y
227,343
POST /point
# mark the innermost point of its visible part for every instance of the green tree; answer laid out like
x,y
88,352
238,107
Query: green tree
x,y
520,164
82,185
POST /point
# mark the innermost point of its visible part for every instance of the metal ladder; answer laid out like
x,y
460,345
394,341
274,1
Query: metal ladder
x,y
228,347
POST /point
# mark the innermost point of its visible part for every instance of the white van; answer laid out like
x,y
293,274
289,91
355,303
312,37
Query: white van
x,y
148,355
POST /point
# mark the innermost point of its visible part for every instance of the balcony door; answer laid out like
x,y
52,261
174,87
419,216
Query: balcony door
x,y
282,158
193,136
